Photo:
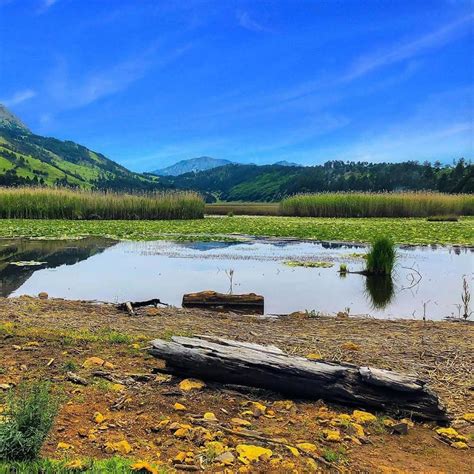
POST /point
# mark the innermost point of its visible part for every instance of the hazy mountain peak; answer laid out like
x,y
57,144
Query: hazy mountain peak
x,y
201,163
287,163
9,119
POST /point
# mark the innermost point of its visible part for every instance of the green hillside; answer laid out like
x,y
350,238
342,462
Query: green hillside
x,y
26,158
273,182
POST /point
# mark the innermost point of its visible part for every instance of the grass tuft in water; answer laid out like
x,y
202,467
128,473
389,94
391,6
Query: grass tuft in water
x,y
381,257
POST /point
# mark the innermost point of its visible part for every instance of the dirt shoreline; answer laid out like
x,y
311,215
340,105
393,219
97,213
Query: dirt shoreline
x,y
34,331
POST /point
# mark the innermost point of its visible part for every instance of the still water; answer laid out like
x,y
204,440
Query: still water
x,y
426,280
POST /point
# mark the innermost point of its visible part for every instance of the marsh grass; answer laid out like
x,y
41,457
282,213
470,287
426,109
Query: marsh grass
x,y
29,415
60,203
381,257
243,209
421,204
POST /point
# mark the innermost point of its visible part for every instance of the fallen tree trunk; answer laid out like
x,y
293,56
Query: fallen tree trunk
x,y
130,305
249,364
213,300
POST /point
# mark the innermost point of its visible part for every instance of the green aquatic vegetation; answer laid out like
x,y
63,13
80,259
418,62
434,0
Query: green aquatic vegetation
x,y
381,257
407,204
402,231
43,203
308,264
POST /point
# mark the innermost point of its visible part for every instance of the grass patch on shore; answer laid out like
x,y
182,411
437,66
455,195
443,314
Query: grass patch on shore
x,y
47,203
402,231
421,204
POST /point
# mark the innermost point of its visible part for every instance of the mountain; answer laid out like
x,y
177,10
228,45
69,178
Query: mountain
x,y
238,182
287,163
8,119
193,165
27,158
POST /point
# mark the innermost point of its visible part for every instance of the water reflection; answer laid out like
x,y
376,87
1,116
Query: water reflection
x,y
379,290
21,258
131,271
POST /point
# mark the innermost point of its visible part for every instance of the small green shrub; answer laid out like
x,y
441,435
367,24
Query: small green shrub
x,y
69,366
28,417
381,257
343,268
115,337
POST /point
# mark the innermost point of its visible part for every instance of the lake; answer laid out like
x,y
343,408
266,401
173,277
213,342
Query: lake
x,y
427,280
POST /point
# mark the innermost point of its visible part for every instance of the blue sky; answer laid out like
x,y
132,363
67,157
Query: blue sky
x,y
148,83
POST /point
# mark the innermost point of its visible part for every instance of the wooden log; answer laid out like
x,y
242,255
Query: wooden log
x,y
266,367
213,300
130,305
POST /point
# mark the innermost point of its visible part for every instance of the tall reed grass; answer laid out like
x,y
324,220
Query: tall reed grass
x,y
60,203
410,204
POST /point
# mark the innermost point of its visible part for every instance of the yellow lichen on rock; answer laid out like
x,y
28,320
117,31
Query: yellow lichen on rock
x,y
143,466
332,435
122,447
62,445
468,417
99,418
363,417
250,453
350,346
450,434
358,430
308,448
187,385
240,422
209,416
459,445
293,450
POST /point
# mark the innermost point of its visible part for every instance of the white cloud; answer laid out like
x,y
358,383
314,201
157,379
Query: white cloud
x,y
245,21
49,3
70,91
407,50
19,97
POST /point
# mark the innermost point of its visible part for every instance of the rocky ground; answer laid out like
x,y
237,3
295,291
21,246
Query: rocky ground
x,y
115,401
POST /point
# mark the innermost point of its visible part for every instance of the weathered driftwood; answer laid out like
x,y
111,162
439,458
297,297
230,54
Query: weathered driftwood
x,y
213,300
267,367
130,305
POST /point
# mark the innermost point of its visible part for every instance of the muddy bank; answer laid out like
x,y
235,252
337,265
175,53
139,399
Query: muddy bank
x,y
440,352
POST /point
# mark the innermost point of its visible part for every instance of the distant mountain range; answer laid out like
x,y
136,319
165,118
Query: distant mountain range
x,y
30,159
27,158
202,163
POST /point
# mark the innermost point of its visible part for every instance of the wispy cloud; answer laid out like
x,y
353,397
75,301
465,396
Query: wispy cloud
x,y
70,92
49,3
409,49
19,97
246,21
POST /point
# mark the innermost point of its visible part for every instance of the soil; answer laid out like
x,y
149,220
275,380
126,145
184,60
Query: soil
x,y
44,339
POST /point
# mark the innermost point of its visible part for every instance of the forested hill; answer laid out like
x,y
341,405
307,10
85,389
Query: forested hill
x,y
272,182
29,159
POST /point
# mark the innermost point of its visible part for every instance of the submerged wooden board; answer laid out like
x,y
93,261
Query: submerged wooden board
x,y
266,367
214,300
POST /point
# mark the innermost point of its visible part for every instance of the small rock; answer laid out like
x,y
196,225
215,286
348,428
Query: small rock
x,y
74,378
43,295
400,428
5,386
226,458
342,315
